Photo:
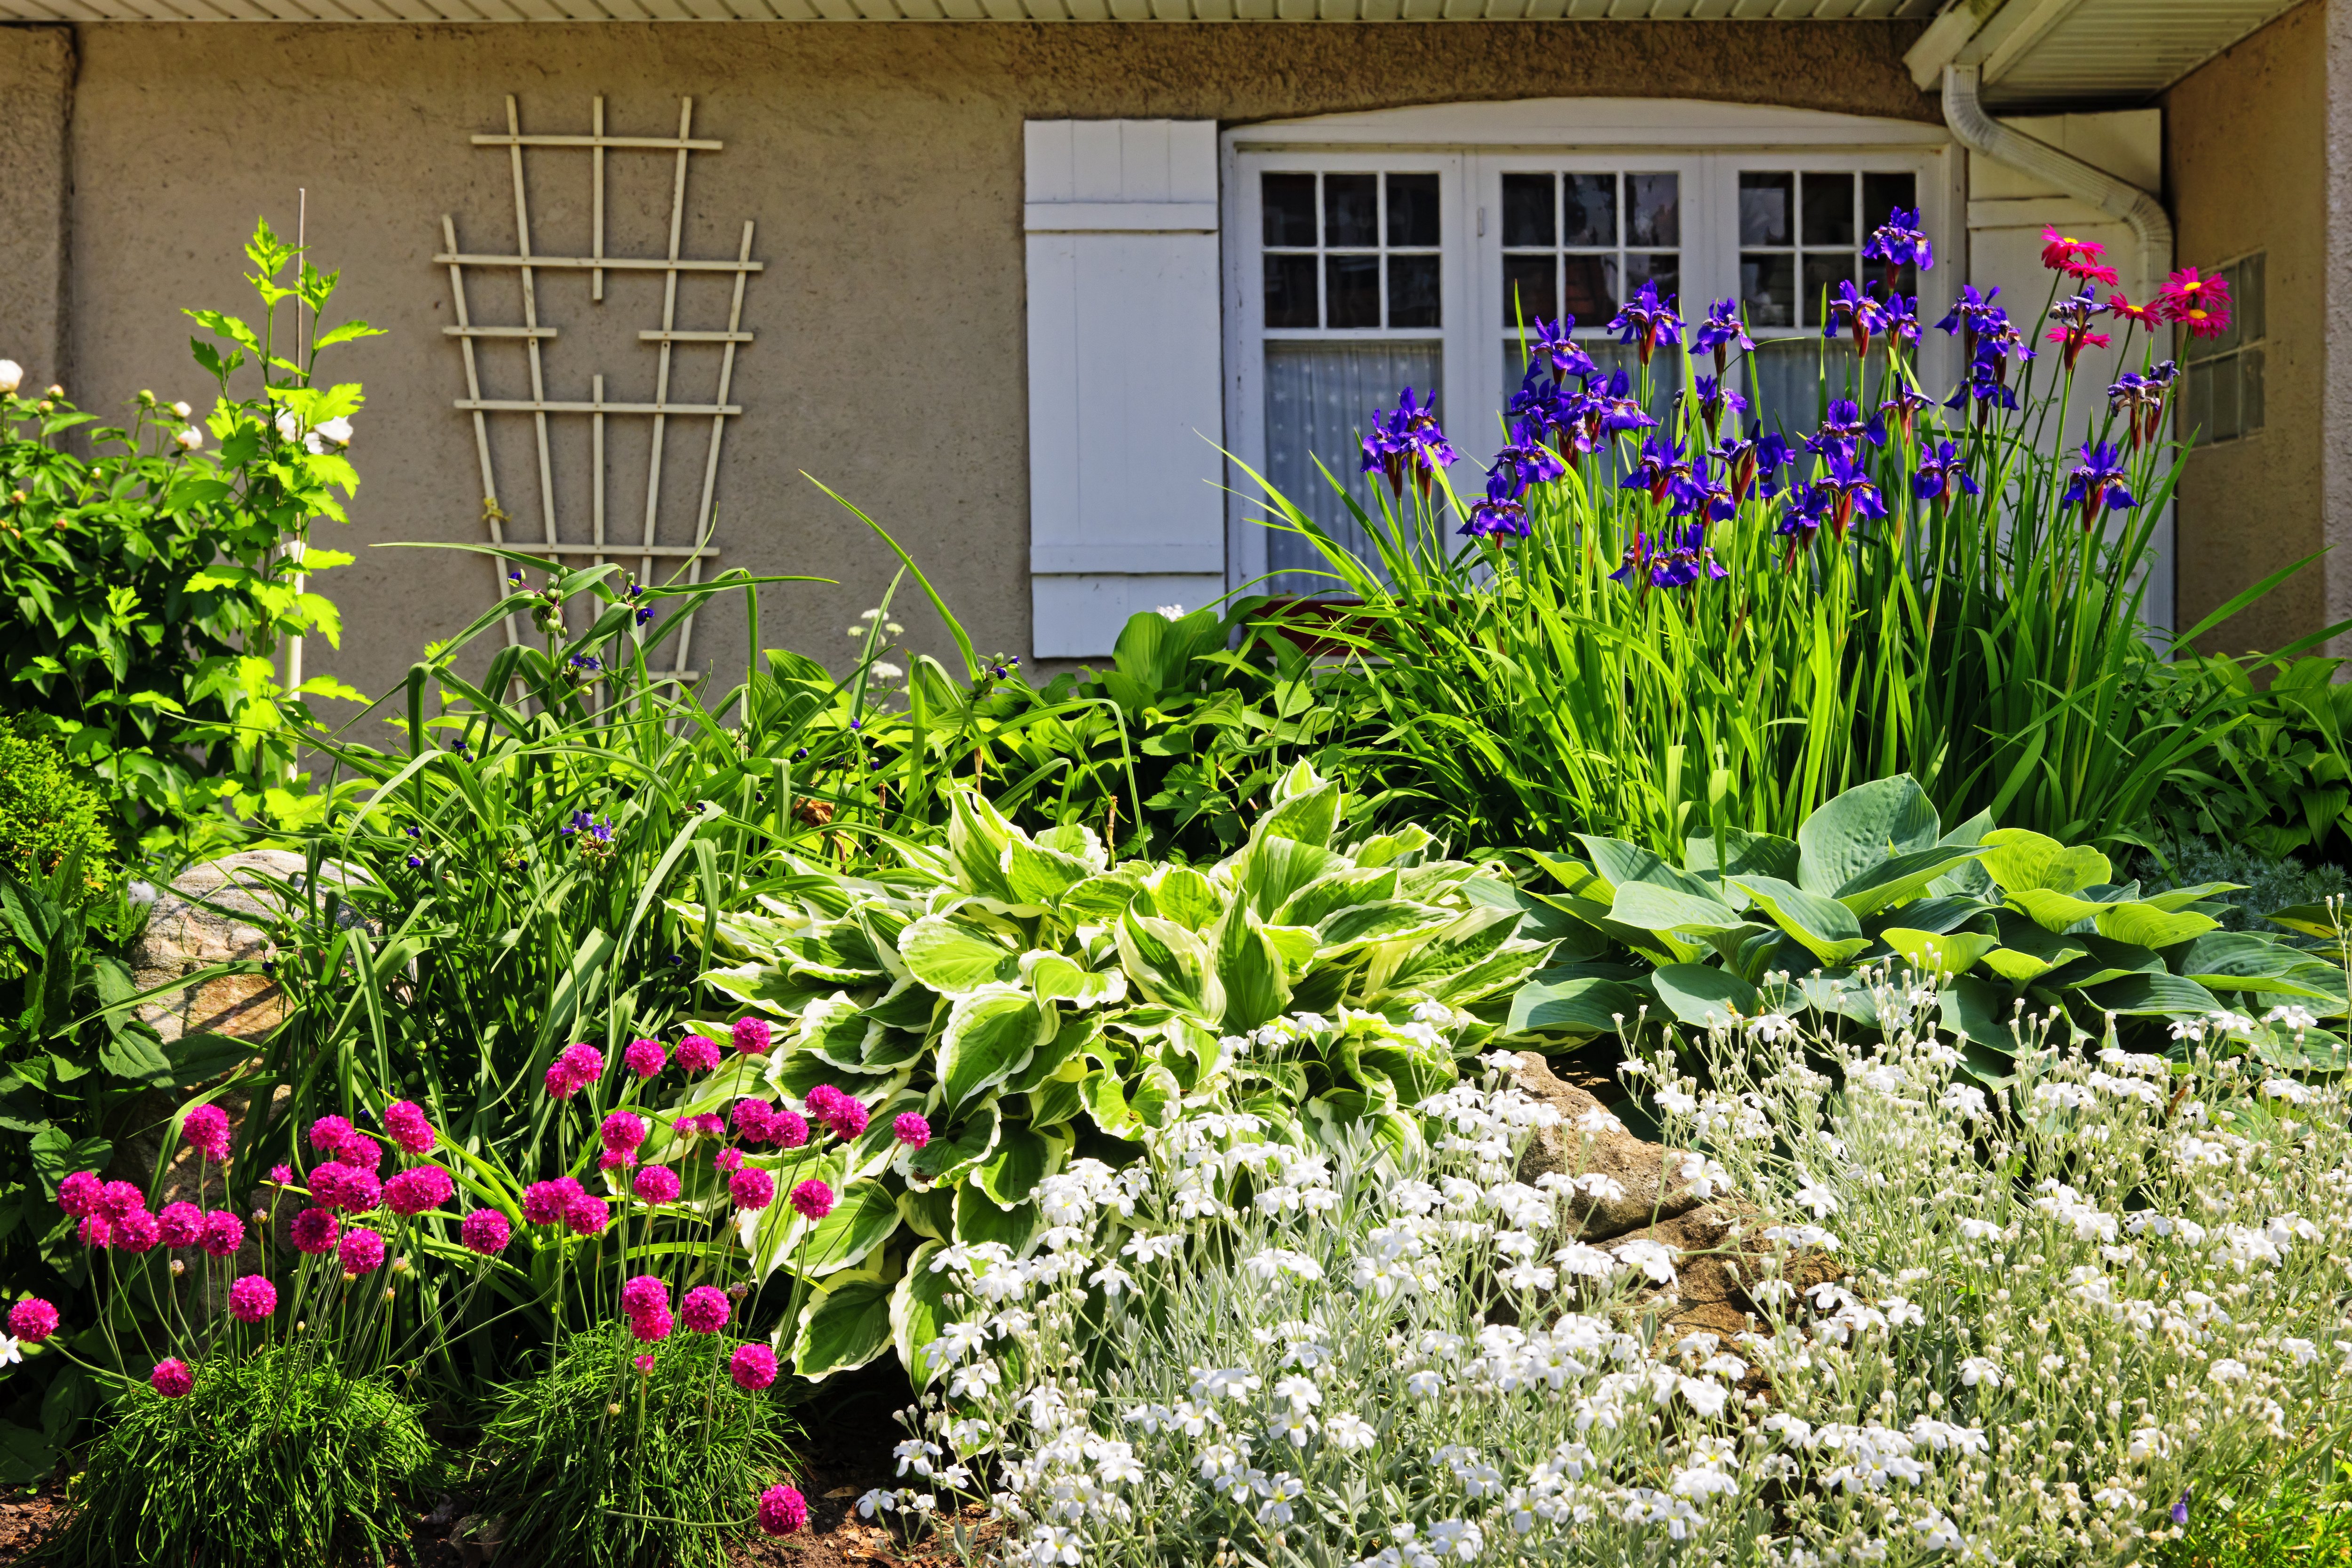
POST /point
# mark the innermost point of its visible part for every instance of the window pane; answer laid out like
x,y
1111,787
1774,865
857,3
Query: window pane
x,y
1290,291
1767,203
1663,268
1412,291
1653,209
1530,288
2250,390
1589,291
1320,398
1822,274
1591,216
1351,209
1351,287
2247,288
1768,287
1289,208
1829,209
1530,210
1882,193
2196,403
1412,209
1791,379
2226,426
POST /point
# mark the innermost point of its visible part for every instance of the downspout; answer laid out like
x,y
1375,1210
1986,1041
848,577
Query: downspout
x,y
2151,229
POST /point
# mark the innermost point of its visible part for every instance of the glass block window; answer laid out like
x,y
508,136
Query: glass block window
x,y
1351,251
1802,233
2222,400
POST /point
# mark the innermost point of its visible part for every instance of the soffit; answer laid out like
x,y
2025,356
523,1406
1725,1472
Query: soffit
x,y
961,10
2069,52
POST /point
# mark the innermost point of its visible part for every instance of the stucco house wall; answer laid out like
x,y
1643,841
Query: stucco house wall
x,y
883,164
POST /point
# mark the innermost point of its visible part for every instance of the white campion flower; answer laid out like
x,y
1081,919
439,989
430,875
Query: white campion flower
x,y
1113,1281
972,1381
1275,1261
1279,1492
11,1351
1051,1544
2228,1370
877,1501
1977,1370
1170,612
956,1341
2288,1090
2303,1351
1224,1382
1457,1538
1819,1199
1351,1433
1772,1027
1702,1482
916,1455
1704,1394
1653,1258
2295,1017
1298,1392
1425,1384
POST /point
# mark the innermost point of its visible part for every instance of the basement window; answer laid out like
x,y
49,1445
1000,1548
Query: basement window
x,y
2223,400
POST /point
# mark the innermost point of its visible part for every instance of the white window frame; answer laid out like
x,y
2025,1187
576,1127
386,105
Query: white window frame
x,y
1470,147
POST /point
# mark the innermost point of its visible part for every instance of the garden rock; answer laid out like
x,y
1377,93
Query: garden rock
x,y
1589,1141
217,913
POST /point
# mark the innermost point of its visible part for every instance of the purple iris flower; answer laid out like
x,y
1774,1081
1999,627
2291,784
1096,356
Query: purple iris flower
x,y
1702,496
1636,562
2166,372
1939,467
1855,312
1906,404
1408,441
1554,346
1899,240
1621,411
1714,397
1852,493
1502,514
2140,400
1903,317
1773,453
1644,322
2098,484
1844,429
1973,311
1722,332
1527,460
1660,465
2078,311
1802,519
1987,385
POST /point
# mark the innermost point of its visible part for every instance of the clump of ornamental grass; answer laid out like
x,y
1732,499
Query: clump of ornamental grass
x,y
637,1451
273,1458
2057,1322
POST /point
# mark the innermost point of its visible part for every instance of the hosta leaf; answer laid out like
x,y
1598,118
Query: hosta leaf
x,y
1572,1004
979,1218
2021,861
2051,911
765,987
1390,921
959,1148
1938,952
2309,920
1979,1013
1846,836
1077,841
1250,970
1181,894
1298,945
918,1309
836,1030
1825,928
1671,909
953,959
1038,875
2165,994
1011,1173
1168,964
843,1329
1307,815
1099,897
2181,898
1623,865
1060,1097
1107,1102
1742,854
1078,1033
977,837
1899,878
1700,995
989,1037
1938,915
1279,868
1154,1095
1054,978
2147,926
1319,899
1394,848
907,1005
863,1218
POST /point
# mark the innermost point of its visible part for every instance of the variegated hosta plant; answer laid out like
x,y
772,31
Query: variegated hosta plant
x,y
1029,999
1999,921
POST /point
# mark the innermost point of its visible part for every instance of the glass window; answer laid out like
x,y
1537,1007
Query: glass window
x,y
1801,235
1351,251
2222,400
1562,253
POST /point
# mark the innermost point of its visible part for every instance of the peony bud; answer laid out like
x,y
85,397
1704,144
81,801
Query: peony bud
x,y
12,376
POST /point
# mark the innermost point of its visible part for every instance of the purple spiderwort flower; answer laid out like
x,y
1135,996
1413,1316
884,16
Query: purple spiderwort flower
x,y
2098,484
1644,322
1939,467
2181,1509
1898,241
1722,332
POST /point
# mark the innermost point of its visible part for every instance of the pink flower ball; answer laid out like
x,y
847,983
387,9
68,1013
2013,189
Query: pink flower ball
x,y
360,1151
32,1320
281,1175
787,1128
705,1310
543,1203
138,1231
183,1223
224,1234
822,1101
697,1053
79,1193
362,1252
119,1198
579,1066
96,1230
751,1119
643,1057
751,1189
559,1081
172,1378
783,1510
847,1120
205,1129
252,1299
728,1160
752,1036
347,1187
621,1130
911,1130
812,1199
587,1216
644,1293
314,1231
419,1188
651,1328
329,1133
657,1184
616,1159
753,1367
486,1231
643,1362
405,1120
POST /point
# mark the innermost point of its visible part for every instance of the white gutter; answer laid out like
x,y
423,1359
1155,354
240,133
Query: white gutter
x,y
2151,228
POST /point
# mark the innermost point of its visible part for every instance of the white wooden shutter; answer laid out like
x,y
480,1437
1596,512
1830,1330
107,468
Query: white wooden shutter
x,y
1125,414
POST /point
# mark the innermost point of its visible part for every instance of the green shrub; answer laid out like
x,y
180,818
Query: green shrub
x,y
275,1458
2269,882
46,813
2273,774
595,1464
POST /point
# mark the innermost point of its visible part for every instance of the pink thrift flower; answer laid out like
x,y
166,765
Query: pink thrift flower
x,y
360,1151
651,1328
587,1216
812,1199
644,1364
559,1081
340,1187
616,1159
224,1234
657,1184
362,1252
783,1510
486,1231
752,1366
751,1119
119,1198
252,1299
697,1053
543,1203
751,1189
205,1129
79,1193
621,1130
705,1310
96,1230
579,1066
643,1057
644,1293
405,1120
138,1231
172,1378
281,1175
32,1320
728,1160
787,1128
847,1120
329,1133
911,1130
183,1223
752,1036
419,1188
822,1101
314,1231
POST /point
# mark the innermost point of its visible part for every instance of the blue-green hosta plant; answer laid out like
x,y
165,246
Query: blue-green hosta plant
x,y
1027,998
1999,920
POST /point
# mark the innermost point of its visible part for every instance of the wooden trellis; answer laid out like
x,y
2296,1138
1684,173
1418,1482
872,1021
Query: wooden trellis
x,y
530,333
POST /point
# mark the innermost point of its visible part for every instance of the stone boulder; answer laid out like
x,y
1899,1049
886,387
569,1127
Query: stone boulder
x,y
1589,1141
